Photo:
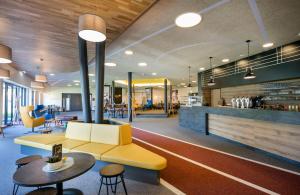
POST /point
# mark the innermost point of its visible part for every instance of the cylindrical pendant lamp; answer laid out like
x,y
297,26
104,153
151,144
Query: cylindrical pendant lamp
x,y
5,54
41,78
92,28
37,85
4,74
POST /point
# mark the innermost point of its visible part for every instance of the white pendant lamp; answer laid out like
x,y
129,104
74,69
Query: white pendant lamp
x,y
5,54
4,74
37,85
41,77
92,28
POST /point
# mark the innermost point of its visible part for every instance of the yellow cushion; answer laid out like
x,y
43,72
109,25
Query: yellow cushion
x,y
106,134
39,141
95,149
79,131
125,134
136,156
67,144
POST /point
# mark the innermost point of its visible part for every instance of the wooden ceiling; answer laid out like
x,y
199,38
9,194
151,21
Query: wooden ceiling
x,y
37,29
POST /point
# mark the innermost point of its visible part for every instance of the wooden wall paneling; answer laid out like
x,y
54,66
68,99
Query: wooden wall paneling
x,y
277,138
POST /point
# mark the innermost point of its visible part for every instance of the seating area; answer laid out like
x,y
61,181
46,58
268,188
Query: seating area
x,y
108,143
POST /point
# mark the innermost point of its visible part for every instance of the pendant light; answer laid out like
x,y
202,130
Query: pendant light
x,y
41,77
5,54
211,81
92,28
249,73
189,85
4,74
37,85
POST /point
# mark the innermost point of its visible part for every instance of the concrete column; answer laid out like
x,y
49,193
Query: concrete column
x,y
99,77
130,96
1,101
166,96
112,92
171,98
84,81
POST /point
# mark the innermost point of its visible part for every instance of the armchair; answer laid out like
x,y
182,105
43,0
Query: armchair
x,y
29,121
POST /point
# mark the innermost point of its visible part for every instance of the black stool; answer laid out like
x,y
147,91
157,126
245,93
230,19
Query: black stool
x,y
24,161
43,191
112,171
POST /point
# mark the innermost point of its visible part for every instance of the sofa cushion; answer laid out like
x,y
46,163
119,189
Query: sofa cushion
x,y
95,149
134,155
106,134
67,144
125,134
39,141
79,131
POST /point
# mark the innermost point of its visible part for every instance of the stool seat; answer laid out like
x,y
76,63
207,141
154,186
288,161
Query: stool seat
x,y
112,170
27,159
43,191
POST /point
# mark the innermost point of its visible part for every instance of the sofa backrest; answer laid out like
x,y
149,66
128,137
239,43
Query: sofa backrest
x,y
105,134
79,131
125,134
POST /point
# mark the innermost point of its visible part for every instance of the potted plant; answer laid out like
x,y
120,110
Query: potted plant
x,y
54,162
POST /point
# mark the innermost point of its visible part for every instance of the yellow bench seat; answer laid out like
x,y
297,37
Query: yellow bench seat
x,y
134,155
95,149
39,141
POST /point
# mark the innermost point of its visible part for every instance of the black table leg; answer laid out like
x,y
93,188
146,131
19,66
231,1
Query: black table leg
x,y
59,188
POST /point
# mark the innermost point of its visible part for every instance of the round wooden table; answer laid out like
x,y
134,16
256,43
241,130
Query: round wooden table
x,y
32,175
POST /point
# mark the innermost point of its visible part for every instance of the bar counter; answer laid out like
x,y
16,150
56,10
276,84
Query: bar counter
x,y
277,132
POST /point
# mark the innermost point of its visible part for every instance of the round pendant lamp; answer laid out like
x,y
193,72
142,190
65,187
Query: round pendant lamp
x,y
92,28
5,54
36,85
211,81
249,73
4,74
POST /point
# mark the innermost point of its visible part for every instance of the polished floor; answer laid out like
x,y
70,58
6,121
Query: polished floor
x,y
87,183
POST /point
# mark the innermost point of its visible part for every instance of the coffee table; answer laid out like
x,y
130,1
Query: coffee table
x,y
32,175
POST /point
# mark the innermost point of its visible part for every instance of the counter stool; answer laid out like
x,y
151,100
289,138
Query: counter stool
x,y
112,171
24,161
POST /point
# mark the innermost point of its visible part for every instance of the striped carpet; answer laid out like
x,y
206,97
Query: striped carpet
x,y
199,170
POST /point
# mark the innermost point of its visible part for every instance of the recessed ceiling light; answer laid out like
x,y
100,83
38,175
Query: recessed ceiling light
x,y
142,64
76,81
225,60
51,74
182,83
91,75
154,73
69,85
128,52
187,20
268,45
202,68
111,64
185,86
241,55
194,81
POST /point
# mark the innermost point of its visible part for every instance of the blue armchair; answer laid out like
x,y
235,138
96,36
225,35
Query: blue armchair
x,y
40,111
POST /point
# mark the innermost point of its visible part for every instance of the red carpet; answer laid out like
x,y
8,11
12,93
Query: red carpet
x,y
193,179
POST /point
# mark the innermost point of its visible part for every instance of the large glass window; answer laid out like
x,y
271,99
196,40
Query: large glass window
x,y
13,97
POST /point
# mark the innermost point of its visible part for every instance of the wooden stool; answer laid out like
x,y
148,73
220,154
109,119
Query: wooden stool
x,y
24,161
112,171
43,191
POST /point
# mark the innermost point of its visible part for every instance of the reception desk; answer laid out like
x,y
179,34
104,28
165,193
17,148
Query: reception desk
x,y
276,132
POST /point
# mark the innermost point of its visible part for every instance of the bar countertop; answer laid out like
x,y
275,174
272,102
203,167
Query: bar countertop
x,y
194,116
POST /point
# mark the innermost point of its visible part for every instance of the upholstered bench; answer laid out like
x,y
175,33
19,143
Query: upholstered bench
x,y
107,143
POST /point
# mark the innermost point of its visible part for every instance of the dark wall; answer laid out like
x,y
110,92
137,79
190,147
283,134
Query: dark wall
x,y
118,95
74,101
281,63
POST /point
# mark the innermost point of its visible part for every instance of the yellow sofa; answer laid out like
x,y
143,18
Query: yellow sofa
x,y
29,121
109,143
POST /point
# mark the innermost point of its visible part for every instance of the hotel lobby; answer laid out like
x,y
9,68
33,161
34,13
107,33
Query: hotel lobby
x,y
149,97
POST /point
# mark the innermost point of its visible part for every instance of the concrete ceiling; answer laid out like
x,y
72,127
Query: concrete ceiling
x,y
169,50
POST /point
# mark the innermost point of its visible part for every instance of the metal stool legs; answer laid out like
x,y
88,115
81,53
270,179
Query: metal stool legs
x,y
108,182
15,189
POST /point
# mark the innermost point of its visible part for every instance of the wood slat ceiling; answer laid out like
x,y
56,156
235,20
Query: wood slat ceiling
x,y
37,29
